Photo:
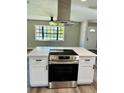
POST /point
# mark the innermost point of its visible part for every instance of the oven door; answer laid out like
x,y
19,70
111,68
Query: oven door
x,y
63,72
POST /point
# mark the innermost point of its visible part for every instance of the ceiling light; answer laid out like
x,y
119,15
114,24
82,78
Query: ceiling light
x,y
83,0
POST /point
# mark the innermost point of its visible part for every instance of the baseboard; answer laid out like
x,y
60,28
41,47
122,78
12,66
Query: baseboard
x,y
95,84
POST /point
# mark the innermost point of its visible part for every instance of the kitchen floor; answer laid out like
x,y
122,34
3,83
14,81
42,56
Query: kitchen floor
x,y
80,89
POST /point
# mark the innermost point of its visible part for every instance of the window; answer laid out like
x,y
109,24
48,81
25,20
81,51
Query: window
x,y
49,33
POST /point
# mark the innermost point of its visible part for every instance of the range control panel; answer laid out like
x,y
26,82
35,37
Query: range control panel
x,y
58,57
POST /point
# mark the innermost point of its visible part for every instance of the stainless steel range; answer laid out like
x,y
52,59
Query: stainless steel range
x,y
63,68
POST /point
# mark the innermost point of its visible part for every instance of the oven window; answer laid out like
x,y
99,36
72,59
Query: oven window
x,y
63,72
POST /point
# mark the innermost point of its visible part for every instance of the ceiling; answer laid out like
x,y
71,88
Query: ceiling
x,y
44,9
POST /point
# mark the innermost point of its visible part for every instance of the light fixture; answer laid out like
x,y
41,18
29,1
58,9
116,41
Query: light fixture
x,y
92,30
52,22
83,0
51,18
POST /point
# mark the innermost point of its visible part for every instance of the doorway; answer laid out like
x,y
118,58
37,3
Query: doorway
x,y
91,38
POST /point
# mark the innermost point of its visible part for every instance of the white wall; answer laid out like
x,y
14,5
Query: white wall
x,y
83,30
91,43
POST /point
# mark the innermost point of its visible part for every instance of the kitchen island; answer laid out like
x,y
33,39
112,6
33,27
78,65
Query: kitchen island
x,y
38,65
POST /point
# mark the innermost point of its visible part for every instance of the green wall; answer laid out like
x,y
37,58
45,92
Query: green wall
x,y
92,24
71,37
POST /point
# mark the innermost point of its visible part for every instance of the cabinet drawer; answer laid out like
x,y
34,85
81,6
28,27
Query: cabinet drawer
x,y
86,61
38,61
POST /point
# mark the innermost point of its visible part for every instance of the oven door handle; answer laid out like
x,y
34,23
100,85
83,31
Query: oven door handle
x,y
53,62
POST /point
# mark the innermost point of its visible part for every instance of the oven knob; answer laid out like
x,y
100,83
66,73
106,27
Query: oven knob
x,y
75,58
54,58
72,58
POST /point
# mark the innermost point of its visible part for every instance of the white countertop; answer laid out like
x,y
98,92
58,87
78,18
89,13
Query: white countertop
x,y
44,51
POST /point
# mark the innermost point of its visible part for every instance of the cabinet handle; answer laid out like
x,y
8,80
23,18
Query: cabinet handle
x,y
87,59
46,67
38,60
94,66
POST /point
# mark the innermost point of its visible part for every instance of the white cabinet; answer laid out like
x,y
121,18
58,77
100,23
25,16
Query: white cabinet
x,y
85,75
86,71
95,75
86,61
38,71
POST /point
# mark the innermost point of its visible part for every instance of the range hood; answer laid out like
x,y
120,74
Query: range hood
x,y
64,11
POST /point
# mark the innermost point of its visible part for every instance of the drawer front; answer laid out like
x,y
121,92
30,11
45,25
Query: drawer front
x,y
86,61
38,61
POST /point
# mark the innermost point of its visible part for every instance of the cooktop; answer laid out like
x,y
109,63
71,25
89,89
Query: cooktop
x,y
62,52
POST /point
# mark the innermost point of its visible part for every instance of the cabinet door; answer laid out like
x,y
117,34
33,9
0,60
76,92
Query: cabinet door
x,y
39,76
38,69
85,75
